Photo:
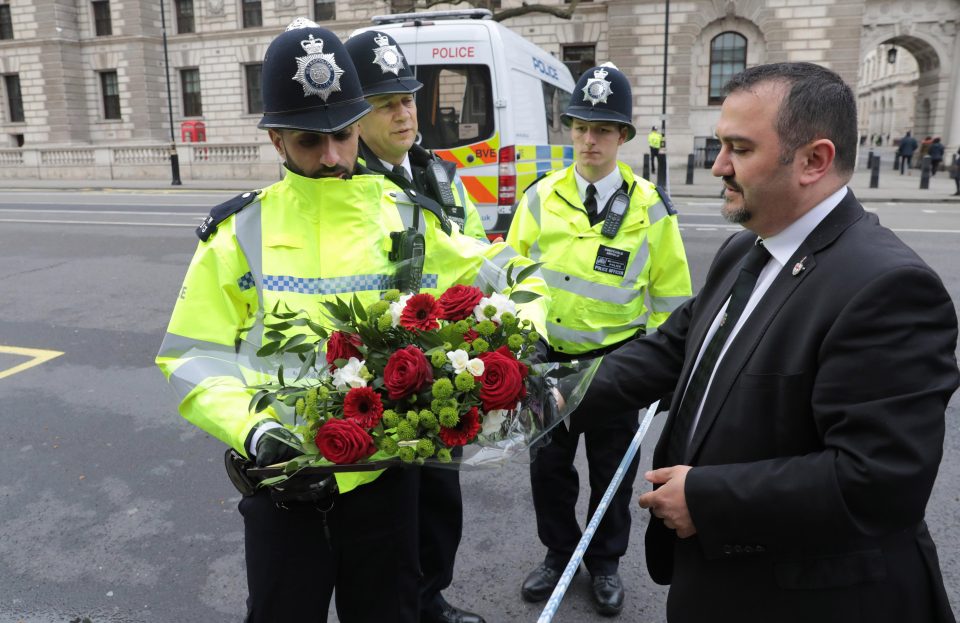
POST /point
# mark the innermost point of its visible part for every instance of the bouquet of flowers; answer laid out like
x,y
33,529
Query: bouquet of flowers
x,y
411,378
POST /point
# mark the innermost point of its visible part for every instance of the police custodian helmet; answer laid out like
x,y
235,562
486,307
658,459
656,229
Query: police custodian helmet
x,y
380,64
309,82
602,94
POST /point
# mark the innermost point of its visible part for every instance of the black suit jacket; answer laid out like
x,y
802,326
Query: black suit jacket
x,y
819,440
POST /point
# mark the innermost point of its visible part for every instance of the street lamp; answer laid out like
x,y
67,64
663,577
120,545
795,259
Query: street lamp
x,y
174,159
892,55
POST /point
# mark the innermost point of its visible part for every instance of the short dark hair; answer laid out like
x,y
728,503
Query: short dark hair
x,y
819,104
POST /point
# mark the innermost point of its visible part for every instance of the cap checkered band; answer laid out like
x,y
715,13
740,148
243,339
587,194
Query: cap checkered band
x,y
246,282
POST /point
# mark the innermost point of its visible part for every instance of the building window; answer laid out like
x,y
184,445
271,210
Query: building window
x,y
190,84
579,58
111,94
252,14
14,98
728,56
254,94
184,10
6,23
101,18
324,10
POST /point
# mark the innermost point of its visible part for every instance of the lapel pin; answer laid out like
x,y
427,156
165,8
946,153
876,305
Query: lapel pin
x,y
799,267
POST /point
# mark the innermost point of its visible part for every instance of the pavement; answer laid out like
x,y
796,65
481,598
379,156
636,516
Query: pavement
x,y
892,187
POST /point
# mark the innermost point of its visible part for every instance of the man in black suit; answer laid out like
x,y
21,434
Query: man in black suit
x,y
802,443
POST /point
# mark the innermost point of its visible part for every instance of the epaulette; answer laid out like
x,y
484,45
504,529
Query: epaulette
x,y
428,204
667,201
220,213
535,182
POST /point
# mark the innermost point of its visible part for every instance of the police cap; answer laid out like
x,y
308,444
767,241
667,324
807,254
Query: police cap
x,y
380,64
602,94
309,82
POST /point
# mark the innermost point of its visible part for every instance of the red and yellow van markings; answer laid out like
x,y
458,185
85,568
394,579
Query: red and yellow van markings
x,y
481,189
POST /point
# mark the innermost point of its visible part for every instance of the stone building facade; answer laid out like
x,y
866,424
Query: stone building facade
x,y
75,93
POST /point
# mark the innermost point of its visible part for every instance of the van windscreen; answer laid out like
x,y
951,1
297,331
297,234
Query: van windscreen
x,y
455,105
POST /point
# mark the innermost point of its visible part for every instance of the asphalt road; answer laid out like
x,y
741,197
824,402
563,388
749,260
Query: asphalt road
x,y
114,509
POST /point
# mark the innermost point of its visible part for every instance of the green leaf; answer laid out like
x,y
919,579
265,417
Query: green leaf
x,y
261,400
520,297
526,272
279,326
268,482
318,329
301,348
293,341
307,364
268,349
358,309
274,336
510,275
280,375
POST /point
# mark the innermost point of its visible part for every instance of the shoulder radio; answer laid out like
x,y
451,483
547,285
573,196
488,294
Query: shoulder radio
x,y
615,211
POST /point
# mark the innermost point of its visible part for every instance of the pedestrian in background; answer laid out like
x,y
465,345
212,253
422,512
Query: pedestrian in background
x,y
655,141
906,149
936,155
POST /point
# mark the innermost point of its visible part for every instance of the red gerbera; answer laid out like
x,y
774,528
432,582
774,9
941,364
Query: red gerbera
x,y
465,430
470,336
420,313
363,406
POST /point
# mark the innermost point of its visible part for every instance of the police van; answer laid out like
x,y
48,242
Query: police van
x,y
491,103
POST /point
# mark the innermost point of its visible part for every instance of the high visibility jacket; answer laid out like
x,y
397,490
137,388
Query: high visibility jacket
x,y
597,284
655,139
471,223
301,242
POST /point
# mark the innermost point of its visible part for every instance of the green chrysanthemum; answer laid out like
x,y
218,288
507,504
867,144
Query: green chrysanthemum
x,y
390,418
442,388
391,296
405,430
485,328
533,337
507,319
299,407
407,454
377,309
413,417
490,311
388,445
385,322
514,342
443,455
464,381
428,420
480,345
425,448
449,417
438,358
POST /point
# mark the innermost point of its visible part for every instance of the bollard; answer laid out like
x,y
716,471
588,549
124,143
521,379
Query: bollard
x,y
662,170
646,167
875,173
925,173
690,159
896,162
870,159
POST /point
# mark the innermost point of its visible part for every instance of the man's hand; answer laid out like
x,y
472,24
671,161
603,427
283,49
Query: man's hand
x,y
668,502
277,445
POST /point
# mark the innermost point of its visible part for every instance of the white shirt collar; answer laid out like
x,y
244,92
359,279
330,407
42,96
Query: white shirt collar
x,y
605,186
783,245
405,164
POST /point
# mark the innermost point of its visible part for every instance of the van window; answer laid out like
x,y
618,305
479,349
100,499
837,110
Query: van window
x,y
455,105
555,102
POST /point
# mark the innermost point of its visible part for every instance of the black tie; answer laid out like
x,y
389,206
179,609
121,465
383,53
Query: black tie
x,y
590,203
697,387
400,171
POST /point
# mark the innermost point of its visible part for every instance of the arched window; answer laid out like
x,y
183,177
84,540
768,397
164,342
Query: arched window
x,y
728,56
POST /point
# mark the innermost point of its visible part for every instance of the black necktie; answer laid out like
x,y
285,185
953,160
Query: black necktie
x,y
590,203
697,387
398,170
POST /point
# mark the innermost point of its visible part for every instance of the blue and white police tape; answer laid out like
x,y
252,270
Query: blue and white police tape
x,y
554,602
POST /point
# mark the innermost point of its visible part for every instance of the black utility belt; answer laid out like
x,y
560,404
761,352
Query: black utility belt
x,y
314,489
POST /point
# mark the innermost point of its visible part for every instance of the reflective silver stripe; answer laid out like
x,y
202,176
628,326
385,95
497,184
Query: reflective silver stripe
x,y
582,287
250,238
656,212
560,333
533,202
406,209
667,303
196,370
463,195
493,272
177,345
637,264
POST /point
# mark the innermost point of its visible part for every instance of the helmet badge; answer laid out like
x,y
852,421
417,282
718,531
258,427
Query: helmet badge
x,y
597,88
317,72
388,57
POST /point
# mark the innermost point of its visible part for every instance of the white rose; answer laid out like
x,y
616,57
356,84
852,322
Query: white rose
x,y
459,359
349,375
396,309
475,367
492,421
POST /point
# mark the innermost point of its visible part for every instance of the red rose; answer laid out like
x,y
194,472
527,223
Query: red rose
x,y
342,346
343,441
406,372
465,430
363,406
470,336
458,302
501,384
420,312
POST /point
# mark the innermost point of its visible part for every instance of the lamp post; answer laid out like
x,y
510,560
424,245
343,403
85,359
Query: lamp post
x,y
666,40
174,159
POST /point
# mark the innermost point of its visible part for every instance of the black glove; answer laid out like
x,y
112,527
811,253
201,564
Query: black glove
x,y
277,445
540,354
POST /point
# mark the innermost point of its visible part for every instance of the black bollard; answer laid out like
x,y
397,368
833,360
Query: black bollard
x,y
875,173
925,173
174,166
896,162
870,159
662,170
646,167
690,159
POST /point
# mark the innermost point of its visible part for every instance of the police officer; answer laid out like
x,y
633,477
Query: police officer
x,y
388,134
655,140
608,239
387,146
323,231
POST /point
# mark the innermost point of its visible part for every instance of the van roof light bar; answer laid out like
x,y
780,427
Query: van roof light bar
x,y
432,15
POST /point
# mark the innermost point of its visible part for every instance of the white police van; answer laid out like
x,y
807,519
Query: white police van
x,y
491,103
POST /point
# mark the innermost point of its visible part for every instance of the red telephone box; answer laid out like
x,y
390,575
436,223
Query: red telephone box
x,y
193,132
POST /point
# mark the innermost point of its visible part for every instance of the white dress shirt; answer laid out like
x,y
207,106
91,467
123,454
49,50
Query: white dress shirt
x,y
605,186
781,248
405,164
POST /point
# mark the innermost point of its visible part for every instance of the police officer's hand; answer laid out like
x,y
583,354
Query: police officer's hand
x,y
277,445
540,354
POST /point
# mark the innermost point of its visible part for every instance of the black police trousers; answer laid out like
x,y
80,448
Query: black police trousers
x,y
556,485
441,526
362,543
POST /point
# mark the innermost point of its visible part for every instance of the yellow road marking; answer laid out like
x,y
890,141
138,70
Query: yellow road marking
x,y
36,355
